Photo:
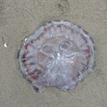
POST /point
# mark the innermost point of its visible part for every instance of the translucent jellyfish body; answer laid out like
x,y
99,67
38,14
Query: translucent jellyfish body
x,y
58,54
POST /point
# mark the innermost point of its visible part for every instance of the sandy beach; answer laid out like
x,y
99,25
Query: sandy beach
x,y
18,19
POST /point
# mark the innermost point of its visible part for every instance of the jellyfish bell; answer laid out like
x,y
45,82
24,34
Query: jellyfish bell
x,y
58,54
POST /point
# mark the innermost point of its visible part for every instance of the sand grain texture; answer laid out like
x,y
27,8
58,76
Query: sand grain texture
x,y
19,18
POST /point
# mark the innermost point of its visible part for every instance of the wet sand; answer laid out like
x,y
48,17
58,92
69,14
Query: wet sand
x,y
18,19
